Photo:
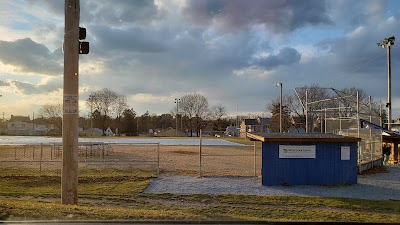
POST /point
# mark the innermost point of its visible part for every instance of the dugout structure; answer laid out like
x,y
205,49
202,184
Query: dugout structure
x,y
307,159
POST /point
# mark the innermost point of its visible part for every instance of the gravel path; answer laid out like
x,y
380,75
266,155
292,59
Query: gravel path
x,y
381,186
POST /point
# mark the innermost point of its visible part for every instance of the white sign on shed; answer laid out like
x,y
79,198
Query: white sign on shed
x,y
297,151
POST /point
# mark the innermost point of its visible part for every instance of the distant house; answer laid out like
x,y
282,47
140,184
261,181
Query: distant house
x,y
91,132
171,132
254,126
108,132
231,131
298,122
19,125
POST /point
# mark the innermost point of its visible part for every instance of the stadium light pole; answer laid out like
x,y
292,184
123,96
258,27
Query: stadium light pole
x,y
387,42
280,107
177,100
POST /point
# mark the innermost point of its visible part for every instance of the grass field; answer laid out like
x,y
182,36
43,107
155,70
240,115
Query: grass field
x,y
118,194
108,193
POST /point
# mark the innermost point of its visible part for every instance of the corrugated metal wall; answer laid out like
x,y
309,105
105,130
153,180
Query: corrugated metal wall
x,y
326,169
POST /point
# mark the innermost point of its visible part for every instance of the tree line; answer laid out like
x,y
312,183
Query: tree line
x,y
110,109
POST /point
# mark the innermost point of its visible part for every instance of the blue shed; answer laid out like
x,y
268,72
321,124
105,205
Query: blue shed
x,y
301,158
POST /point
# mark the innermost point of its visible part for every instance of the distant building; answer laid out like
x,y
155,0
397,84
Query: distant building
x,y
298,122
109,132
23,125
170,132
259,125
91,132
19,125
231,131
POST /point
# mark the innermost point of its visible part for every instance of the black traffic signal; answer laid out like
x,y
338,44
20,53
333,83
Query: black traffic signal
x,y
84,45
82,33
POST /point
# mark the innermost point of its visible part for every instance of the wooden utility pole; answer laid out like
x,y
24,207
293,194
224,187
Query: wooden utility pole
x,y
69,177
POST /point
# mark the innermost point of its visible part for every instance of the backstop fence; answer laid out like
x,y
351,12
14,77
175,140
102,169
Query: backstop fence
x,y
204,159
342,114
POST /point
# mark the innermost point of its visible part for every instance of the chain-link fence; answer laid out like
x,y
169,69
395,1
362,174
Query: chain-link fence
x,y
244,160
342,114
46,159
204,159
232,160
370,146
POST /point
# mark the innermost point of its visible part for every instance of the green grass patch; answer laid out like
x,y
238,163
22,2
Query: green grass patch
x,y
108,194
38,210
339,203
29,172
243,141
90,182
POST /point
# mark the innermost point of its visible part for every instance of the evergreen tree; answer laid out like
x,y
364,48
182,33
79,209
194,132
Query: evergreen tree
x,y
275,119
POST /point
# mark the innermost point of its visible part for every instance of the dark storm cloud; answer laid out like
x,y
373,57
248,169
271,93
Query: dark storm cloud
x,y
118,12
277,15
355,13
115,12
127,40
30,56
55,6
285,56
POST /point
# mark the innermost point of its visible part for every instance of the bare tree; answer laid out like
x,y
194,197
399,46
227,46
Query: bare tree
x,y
104,101
120,105
216,114
194,108
297,104
53,113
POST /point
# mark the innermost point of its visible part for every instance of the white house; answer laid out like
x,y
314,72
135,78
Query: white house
x,y
19,125
23,125
108,132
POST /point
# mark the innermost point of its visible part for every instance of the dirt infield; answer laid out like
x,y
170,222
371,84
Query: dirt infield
x,y
184,160
173,160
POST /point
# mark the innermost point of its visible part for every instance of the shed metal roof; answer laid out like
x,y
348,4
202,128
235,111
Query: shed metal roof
x,y
300,137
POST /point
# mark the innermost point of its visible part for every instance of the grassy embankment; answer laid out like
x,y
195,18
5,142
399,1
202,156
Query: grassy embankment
x,y
119,195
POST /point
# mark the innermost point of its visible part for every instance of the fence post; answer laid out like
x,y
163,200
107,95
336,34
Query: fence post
x,y
370,130
358,128
33,154
40,162
102,149
325,120
255,160
158,159
371,144
24,150
200,172
15,153
51,150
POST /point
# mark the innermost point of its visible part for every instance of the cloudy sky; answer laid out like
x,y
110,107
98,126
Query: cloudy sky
x,y
231,51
